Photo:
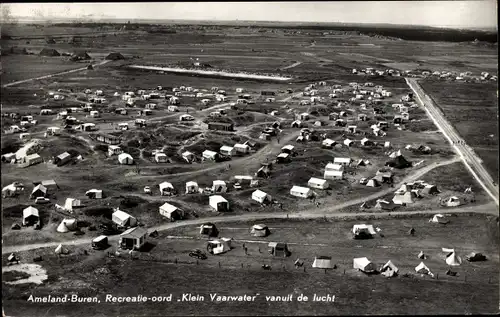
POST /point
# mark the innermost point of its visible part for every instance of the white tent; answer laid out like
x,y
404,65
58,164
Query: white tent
x,y
123,219
453,201
72,202
260,230
166,188
62,227
423,269
328,143
373,183
453,259
302,192
318,183
218,203
125,158
406,198
363,229
192,187
61,250
219,246
323,262
260,196
389,269
219,186
364,265
438,218
170,211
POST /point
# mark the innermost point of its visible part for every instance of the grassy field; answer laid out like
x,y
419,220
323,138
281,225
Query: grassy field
x,y
472,108
96,275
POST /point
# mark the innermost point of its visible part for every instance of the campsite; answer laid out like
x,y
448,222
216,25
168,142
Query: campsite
x,y
271,158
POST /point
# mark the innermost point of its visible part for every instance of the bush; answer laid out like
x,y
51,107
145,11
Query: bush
x,y
105,212
101,148
131,202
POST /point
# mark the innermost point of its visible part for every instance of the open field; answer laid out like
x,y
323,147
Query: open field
x,y
97,275
320,64
473,110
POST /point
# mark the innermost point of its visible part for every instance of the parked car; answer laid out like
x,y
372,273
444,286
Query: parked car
x,y
42,200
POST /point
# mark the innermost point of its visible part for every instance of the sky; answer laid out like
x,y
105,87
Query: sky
x,y
476,13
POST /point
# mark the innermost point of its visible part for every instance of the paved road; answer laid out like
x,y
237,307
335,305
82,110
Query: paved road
x,y
483,209
471,160
52,75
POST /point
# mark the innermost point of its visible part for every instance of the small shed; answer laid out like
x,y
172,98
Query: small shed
x,y
283,158
94,193
133,238
209,155
227,150
38,191
219,246
30,216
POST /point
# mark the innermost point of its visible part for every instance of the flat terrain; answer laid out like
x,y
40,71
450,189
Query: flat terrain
x,y
310,58
472,108
97,275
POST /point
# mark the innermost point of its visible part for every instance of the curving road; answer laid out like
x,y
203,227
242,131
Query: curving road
x,y
470,159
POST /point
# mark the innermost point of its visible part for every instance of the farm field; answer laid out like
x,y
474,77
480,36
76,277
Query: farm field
x,y
472,108
130,132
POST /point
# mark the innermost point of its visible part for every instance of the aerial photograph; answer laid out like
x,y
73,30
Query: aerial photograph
x,y
329,158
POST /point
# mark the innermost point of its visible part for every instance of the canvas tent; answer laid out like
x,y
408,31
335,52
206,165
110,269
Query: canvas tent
x,y
71,203
423,269
261,197
49,52
406,198
61,250
363,231
438,218
166,189
209,229
219,246
114,56
373,183
364,265
260,230
452,259
170,211
323,262
385,205
219,186
453,201
389,269
123,219
219,203
192,187
398,162
38,191
125,159
79,56
67,225
279,249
